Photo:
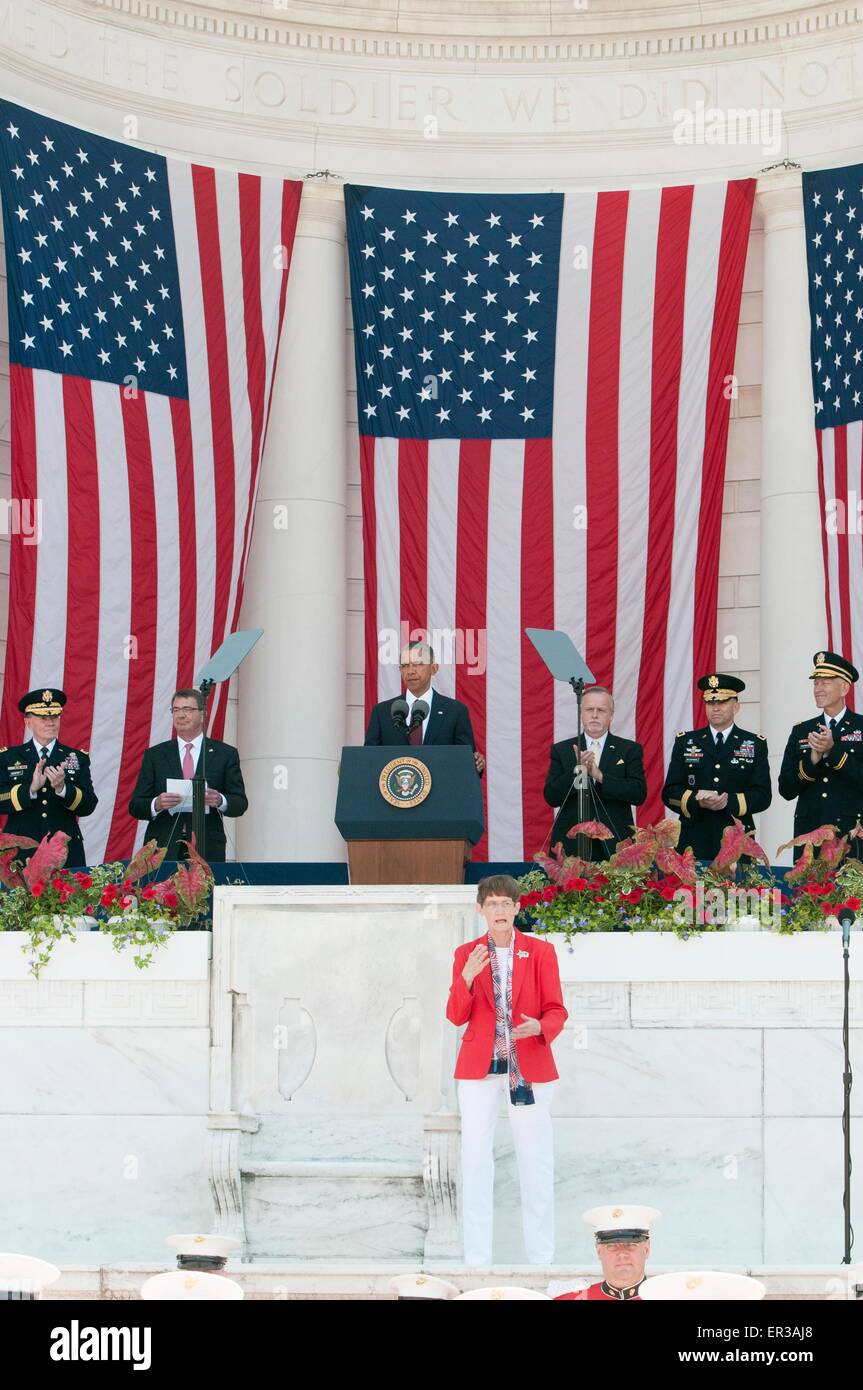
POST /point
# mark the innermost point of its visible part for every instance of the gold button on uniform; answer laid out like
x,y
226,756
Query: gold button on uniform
x,y
716,779
823,793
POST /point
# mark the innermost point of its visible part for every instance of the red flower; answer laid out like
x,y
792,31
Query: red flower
x,y
38,888
58,884
813,889
127,901
83,880
598,898
599,880
108,896
666,891
90,909
853,903
574,885
149,892
549,894
828,908
633,896
169,899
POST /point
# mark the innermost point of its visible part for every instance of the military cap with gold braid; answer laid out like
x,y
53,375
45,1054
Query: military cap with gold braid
x,y
830,664
717,687
44,702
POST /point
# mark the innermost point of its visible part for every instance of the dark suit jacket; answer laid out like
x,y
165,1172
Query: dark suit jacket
x,y
223,775
46,812
623,786
448,722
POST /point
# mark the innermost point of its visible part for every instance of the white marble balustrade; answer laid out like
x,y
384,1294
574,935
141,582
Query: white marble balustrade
x,y
303,1098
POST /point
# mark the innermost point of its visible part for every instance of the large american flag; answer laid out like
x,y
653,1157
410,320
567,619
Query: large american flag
x,y
833,205
543,393
146,299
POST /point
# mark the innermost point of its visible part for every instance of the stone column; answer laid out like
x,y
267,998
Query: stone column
x,y
291,707
793,617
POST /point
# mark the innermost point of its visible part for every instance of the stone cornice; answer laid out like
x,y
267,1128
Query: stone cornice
x,y
706,40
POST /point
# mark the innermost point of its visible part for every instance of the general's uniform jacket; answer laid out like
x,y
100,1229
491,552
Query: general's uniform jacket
x,y
46,812
535,991
829,792
739,768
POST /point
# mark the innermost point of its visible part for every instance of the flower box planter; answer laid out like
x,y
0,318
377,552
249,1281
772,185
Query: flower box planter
x,y
91,956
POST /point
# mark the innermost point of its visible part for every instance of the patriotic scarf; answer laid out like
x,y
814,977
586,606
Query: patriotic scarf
x,y
520,1091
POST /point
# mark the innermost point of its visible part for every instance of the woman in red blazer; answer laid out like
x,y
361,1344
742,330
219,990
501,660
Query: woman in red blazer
x,y
506,988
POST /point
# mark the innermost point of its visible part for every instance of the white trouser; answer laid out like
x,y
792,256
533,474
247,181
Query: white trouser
x,y
479,1103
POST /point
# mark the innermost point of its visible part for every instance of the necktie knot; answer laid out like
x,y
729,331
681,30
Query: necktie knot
x,y
720,739
43,752
831,723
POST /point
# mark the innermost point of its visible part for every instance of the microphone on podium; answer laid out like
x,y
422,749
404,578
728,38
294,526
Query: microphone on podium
x,y
418,713
399,712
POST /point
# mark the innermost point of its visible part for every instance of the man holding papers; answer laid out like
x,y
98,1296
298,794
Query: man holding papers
x,y
161,796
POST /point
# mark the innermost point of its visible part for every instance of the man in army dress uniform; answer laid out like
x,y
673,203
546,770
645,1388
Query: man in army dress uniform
x,y
44,784
822,766
718,773
622,1236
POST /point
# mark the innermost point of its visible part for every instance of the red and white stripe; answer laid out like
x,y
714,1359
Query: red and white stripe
x,y
483,539
147,503
840,486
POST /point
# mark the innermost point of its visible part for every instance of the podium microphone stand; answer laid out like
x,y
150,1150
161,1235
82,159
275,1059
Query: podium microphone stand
x,y
220,667
846,917
580,777
565,663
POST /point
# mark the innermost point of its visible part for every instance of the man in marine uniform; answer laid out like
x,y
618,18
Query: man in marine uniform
x,y
44,784
822,766
622,1236
718,773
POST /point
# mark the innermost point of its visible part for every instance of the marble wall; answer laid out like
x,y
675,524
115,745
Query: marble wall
x,y
103,1100
702,1077
297,1090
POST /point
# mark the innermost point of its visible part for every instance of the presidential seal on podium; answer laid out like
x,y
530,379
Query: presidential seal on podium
x,y
405,782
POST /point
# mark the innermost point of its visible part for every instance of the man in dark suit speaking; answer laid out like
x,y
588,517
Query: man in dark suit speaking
x,y
178,758
447,721
615,767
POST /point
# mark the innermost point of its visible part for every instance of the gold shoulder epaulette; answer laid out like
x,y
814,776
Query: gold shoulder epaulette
x,y
4,750
681,733
761,735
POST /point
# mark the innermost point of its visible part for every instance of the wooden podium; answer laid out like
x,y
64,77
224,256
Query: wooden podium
x,y
407,861
409,814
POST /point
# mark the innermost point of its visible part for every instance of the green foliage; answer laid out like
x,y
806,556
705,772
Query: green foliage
x,y
570,896
137,916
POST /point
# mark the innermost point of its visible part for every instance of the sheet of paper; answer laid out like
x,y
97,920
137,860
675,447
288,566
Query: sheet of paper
x,y
181,786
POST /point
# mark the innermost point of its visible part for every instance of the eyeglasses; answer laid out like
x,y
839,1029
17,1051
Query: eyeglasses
x,y
185,709
499,903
